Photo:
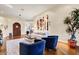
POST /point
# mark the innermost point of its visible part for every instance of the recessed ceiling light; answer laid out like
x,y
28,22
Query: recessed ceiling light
x,y
8,5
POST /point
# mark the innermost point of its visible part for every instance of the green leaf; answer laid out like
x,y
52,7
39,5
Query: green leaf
x,y
67,20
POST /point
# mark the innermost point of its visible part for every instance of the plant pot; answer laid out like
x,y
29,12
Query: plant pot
x,y
72,43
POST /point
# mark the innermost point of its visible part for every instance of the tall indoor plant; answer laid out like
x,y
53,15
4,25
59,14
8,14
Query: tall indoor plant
x,y
0,38
72,22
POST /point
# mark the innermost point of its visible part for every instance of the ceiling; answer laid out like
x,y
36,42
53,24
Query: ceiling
x,y
25,11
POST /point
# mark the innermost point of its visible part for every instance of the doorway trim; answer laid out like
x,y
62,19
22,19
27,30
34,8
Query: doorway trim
x,y
16,29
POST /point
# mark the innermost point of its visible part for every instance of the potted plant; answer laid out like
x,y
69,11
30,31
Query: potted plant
x,y
0,38
72,22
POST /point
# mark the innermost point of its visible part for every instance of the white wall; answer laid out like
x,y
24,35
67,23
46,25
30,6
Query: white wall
x,y
56,19
10,21
3,21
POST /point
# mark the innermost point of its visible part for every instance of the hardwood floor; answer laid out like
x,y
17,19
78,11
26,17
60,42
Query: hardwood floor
x,y
67,50
62,49
16,37
2,50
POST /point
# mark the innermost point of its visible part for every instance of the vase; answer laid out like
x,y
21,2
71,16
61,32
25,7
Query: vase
x,y
72,42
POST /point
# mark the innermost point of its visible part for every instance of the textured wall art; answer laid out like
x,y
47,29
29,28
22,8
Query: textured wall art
x,y
42,24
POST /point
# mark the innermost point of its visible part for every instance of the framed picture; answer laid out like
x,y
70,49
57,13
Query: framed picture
x,y
42,24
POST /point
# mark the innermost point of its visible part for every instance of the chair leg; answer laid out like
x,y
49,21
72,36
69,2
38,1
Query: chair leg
x,y
0,47
50,49
54,49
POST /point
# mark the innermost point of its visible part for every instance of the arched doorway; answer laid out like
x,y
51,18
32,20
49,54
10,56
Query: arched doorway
x,y
16,30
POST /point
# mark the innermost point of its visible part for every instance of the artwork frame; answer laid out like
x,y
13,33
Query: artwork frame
x,y
42,23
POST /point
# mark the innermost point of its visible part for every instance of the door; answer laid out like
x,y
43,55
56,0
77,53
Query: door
x,y
16,29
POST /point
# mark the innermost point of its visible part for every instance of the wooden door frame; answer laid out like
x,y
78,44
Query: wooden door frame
x,y
19,25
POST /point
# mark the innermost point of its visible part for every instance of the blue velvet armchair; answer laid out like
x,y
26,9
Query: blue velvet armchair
x,y
51,42
37,48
